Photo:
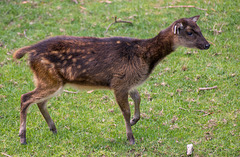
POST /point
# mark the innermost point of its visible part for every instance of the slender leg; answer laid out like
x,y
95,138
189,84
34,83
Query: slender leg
x,y
136,98
122,100
36,96
43,108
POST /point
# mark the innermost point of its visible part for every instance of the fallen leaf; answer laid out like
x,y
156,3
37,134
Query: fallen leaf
x,y
75,1
106,1
105,97
188,52
62,30
187,78
144,116
224,121
184,67
167,69
24,2
59,7
67,127
174,119
208,136
179,90
212,123
131,17
160,113
111,110
82,7
90,91
175,126
163,84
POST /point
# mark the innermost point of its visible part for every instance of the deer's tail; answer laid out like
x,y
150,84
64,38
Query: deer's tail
x,y
21,52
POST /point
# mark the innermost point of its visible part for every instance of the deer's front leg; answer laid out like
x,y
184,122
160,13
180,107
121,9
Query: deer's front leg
x,y
136,98
122,100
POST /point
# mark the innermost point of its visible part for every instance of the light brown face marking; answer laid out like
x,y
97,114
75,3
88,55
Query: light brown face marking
x,y
118,42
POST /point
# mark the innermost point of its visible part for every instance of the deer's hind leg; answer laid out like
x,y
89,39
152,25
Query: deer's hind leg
x,y
39,95
48,84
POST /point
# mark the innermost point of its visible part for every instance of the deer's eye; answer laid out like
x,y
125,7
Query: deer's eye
x,y
189,33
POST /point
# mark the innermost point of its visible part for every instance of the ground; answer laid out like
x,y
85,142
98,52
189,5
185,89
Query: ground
x,y
174,112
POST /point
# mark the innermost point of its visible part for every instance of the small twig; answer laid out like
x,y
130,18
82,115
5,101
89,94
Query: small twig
x,y
70,92
6,154
201,111
183,109
216,31
75,1
207,88
26,35
117,21
211,43
205,112
182,6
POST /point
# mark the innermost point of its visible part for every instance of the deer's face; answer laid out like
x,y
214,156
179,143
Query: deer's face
x,y
188,34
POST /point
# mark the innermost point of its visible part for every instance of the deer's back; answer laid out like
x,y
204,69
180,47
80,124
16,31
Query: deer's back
x,y
91,61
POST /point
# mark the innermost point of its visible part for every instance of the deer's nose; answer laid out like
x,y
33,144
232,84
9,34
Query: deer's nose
x,y
207,46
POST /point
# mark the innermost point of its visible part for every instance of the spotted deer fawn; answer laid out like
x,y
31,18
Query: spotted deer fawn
x,y
116,63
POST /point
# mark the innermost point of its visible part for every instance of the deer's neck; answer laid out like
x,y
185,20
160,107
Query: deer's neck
x,y
159,47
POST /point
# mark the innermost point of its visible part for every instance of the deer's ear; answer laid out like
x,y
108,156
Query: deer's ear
x,y
177,27
195,18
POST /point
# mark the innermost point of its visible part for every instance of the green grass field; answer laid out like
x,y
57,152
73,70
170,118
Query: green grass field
x,y
174,112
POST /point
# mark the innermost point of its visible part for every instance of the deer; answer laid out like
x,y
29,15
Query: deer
x,y
120,64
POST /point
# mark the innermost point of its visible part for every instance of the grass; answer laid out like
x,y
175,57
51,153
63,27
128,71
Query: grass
x,y
91,124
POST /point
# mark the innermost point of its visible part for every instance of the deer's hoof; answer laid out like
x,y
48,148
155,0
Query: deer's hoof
x,y
132,142
23,141
131,139
134,121
54,131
